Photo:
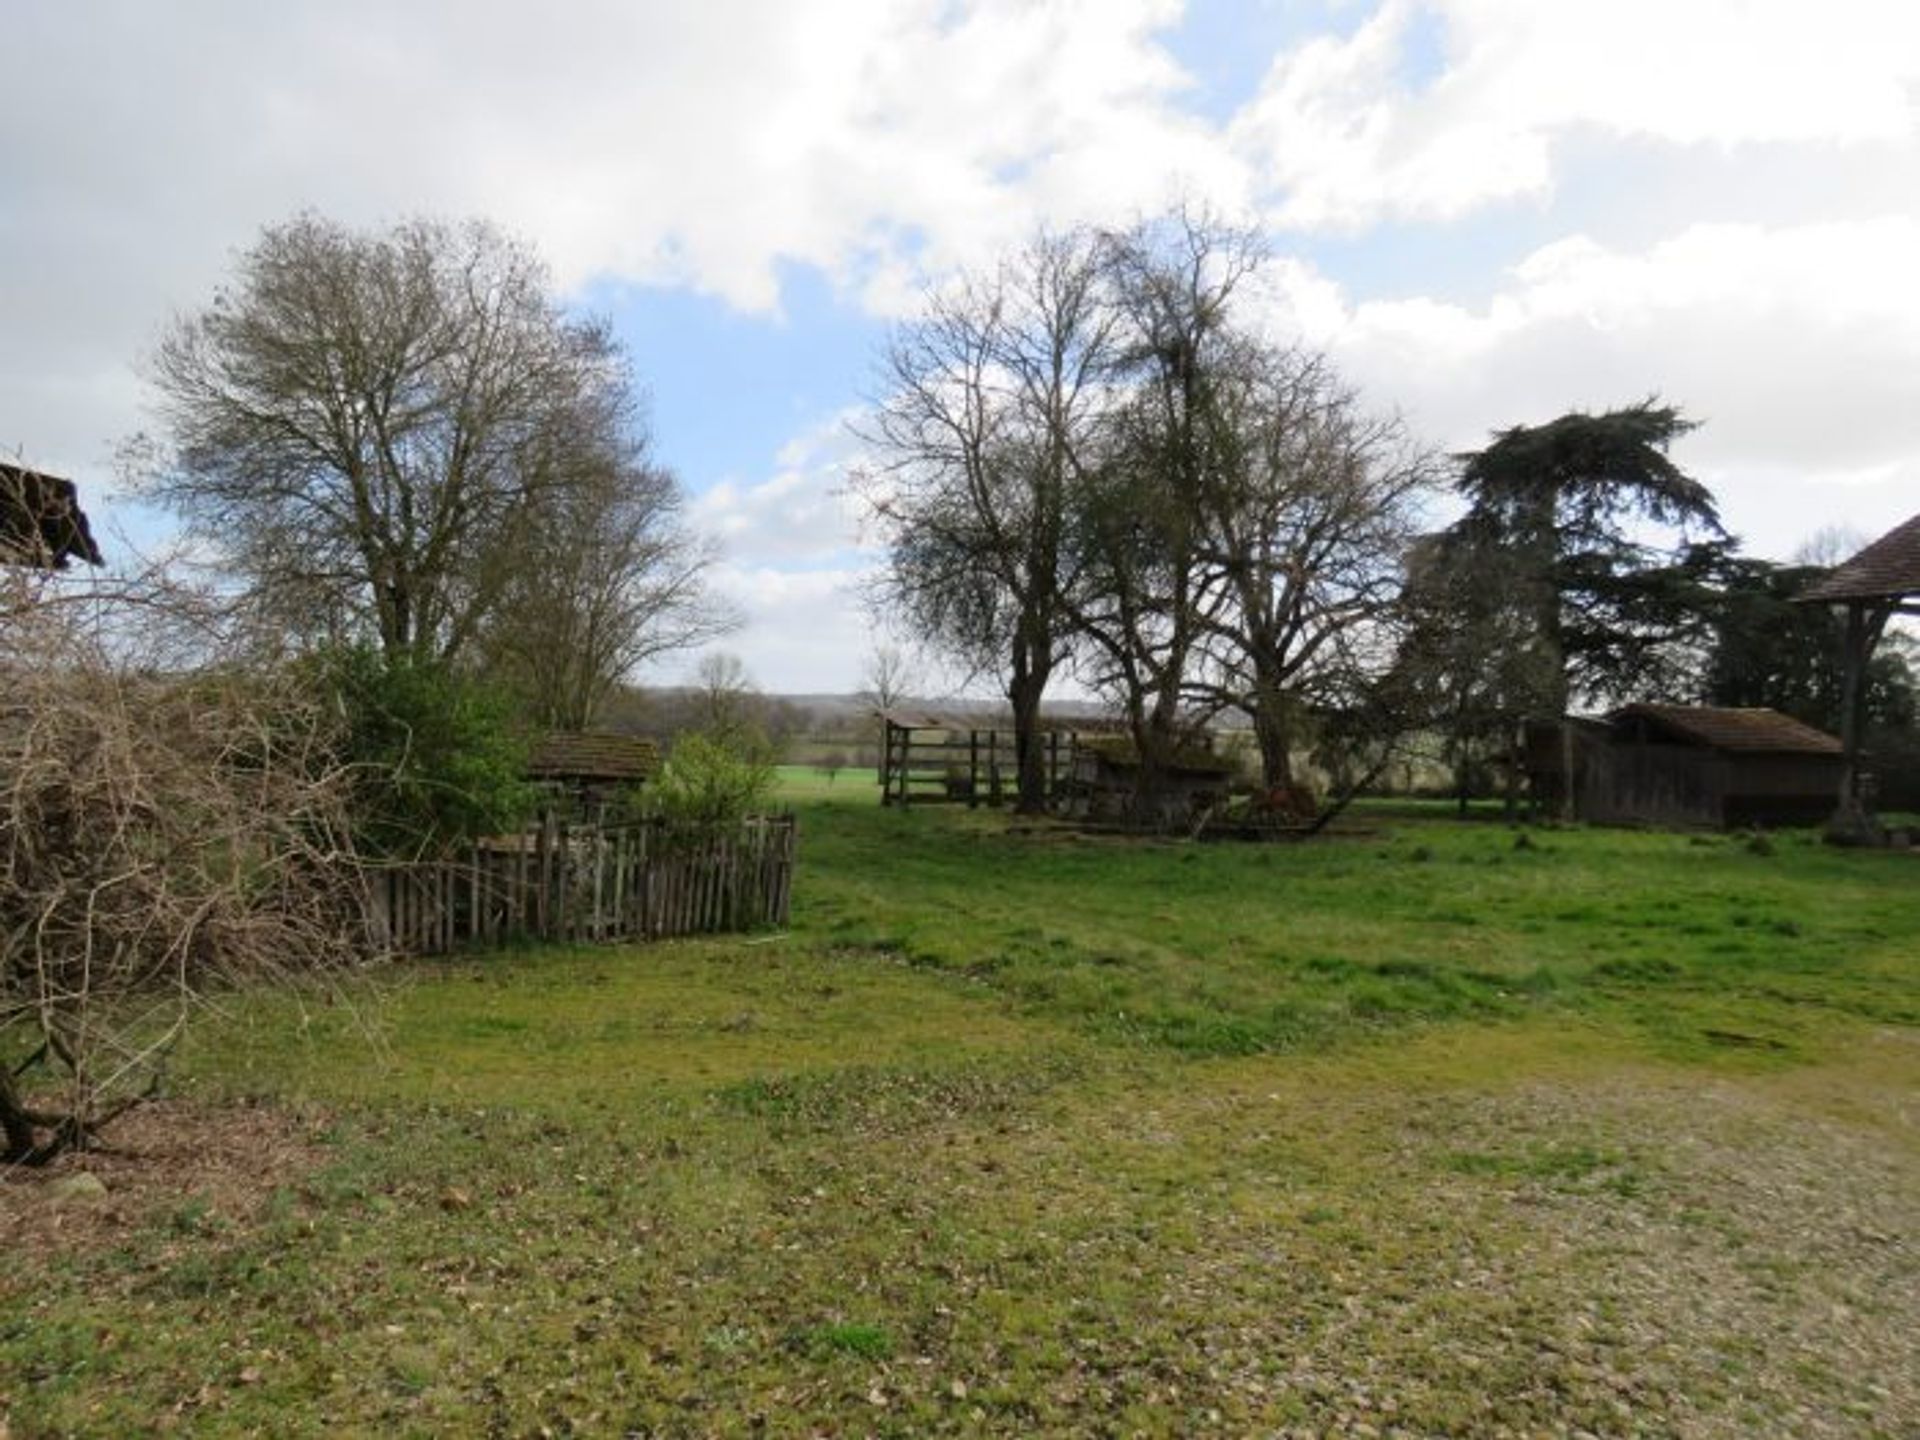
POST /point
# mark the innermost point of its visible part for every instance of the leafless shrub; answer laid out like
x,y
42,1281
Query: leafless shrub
x,y
166,833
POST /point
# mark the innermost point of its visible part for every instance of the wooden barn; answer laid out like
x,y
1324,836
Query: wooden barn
x,y
41,522
592,772
1689,765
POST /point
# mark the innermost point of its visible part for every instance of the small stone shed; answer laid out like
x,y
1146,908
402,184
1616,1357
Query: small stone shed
x,y
41,522
1687,765
592,771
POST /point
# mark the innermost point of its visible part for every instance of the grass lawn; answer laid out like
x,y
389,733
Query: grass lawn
x,y
1420,1130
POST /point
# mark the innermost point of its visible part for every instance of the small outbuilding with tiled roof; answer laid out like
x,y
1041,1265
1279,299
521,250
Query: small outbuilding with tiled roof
x,y
592,769
1695,765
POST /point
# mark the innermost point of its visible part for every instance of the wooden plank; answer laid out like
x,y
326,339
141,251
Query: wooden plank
x,y
618,899
594,918
476,914
643,879
538,927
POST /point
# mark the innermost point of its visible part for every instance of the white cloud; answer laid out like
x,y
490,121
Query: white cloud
x,y
1349,139
805,631
699,145
708,145
803,514
1788,343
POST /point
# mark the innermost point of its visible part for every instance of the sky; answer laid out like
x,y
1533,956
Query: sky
x,y
1486,212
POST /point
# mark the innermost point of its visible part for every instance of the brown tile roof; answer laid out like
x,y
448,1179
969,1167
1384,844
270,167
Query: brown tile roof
x,y
1756,731
1885,570
593,755
41,522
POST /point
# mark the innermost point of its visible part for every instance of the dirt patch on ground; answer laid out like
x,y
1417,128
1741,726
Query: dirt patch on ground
x,y
169,1157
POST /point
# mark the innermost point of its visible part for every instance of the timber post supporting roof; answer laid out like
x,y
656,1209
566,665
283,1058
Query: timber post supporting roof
x,y
593,755
1880,582
41,522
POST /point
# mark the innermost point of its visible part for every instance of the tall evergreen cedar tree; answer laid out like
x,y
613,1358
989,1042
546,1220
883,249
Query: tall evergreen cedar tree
x,y
1571,506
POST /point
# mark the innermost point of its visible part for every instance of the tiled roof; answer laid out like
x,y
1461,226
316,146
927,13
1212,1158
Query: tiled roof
x,y
593,755
41,522
1757,730
1885,570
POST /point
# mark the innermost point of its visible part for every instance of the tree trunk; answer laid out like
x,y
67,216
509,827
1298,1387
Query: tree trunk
x,y
1275,749
1029,744
1155,739
1275,738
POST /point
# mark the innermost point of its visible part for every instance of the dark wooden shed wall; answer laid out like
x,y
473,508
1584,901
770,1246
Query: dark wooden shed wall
x,y
1628,775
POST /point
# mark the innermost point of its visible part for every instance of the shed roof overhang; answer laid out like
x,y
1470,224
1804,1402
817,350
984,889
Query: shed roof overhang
x,y
41,522
1887,571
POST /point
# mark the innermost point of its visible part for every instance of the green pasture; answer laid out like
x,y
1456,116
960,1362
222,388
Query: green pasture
x,y
1427,1128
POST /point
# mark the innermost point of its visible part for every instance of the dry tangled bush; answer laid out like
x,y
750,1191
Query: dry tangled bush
x,y
167,831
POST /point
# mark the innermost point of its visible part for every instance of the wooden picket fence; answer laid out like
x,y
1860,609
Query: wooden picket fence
x,y
647,880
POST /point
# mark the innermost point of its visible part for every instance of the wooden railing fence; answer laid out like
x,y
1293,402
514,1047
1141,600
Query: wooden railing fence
x,y
647,880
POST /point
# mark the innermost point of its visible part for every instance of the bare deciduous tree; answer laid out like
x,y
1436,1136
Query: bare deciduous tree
x,y
889,676
362,425
604,579
1306,527
992,404
726,703
1093,458
1146,596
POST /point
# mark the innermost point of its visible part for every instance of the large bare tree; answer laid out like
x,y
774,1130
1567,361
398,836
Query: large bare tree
x,y
993,402
889,675
1305,526
1148,594
604,577
363,425
1093,457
